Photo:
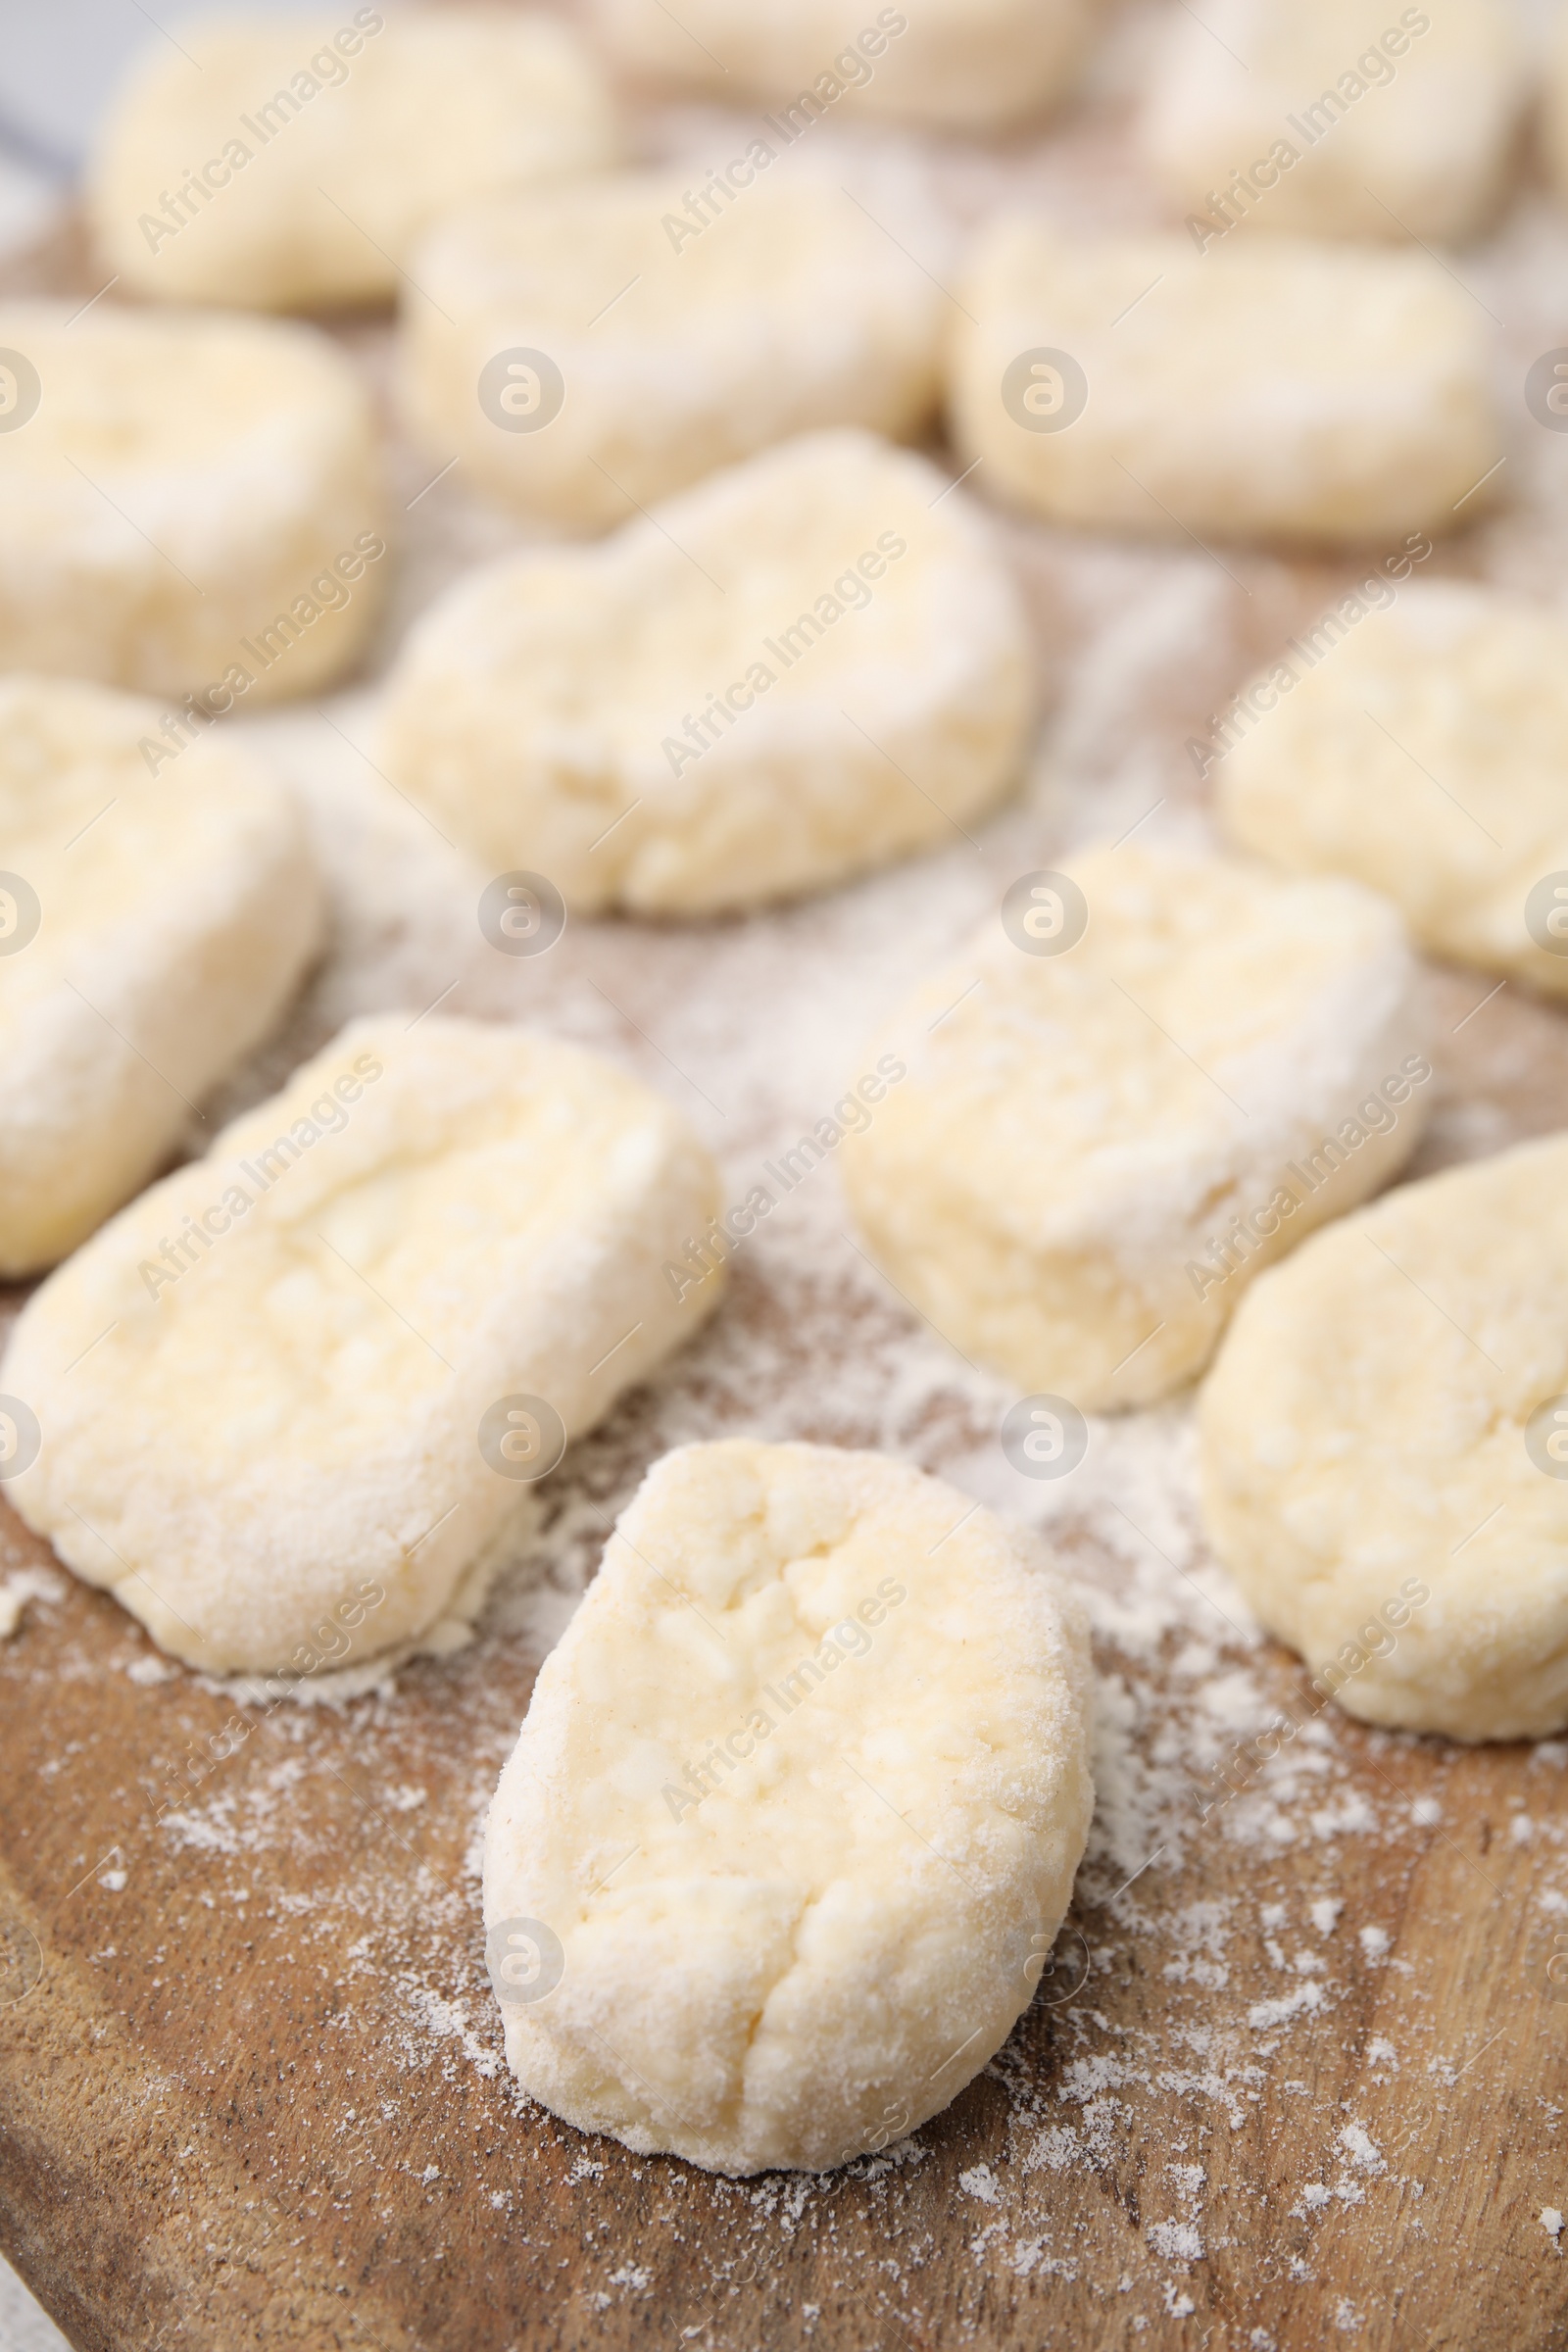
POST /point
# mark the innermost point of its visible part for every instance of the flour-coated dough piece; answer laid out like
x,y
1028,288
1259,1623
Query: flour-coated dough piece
x,y
1057,1183
869,641
1270,389
798,1804
1367,1437
1367,120
425,1222
1427,755
223,175
195,501
679,349
175,914
970,64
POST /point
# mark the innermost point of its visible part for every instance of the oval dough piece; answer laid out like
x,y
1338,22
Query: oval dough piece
x,y
224,176
1366,1442
1426,752
797,1805
196,503
1262,388
964,62
677,349
426,1222
804,667
175,914
1096,1151
1349,119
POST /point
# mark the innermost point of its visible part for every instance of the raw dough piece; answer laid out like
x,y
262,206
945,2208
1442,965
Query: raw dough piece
x,y
224,176
967,63
883,1694
540,713
1092,1155
175,912
427,1222
1386,1419
676,349
1424,753
1263,388
1347,119
195,503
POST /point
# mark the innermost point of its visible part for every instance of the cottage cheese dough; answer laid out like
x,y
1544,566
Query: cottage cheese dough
x,y
652,351
1093,1153
970,64
564,711
278,162
194,503
1381,1424
1350,119
1426,753
884,1696
174,913
429,1223
1280,389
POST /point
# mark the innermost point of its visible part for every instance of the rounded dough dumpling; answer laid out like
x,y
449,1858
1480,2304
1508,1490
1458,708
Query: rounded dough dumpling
x,y
804,667
1426,753
967,63
794,1817
1278,388
329,1353
593,349
1098,1145
1385,1446
163,921
193,504
283,161
1349,119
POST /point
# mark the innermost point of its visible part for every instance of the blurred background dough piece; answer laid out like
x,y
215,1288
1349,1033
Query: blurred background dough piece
x,y
1092,1155
174,913
284,161
809,664
194,504
1280,389
675,348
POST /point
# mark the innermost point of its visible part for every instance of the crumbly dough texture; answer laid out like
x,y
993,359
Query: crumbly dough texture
x,y
1269,388
1425,755
886,1695
1369,121
177,912
223,175
1364,1436
869,641
680,349
187,484
1056,1185
968,64
452,1215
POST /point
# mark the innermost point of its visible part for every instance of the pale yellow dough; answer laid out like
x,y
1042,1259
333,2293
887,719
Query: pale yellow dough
x,y
885,1696
1366,1440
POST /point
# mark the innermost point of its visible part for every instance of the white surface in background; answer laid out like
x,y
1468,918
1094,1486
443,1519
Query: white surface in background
x,y
24,2326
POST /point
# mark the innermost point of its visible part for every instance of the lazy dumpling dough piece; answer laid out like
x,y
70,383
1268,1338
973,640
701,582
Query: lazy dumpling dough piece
x,y
1426,753
1272,388
193,503
794,1817
803,667
1096,1150
1349,119
278,162
644,351
163,922
1385,1449
301,1334
966,62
